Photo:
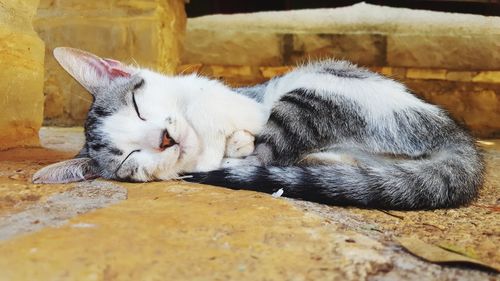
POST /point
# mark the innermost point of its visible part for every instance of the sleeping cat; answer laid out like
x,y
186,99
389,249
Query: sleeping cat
x,y
335,134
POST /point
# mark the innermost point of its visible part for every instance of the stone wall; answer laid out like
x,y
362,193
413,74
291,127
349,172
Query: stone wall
x,y
452,60
21,75
144,32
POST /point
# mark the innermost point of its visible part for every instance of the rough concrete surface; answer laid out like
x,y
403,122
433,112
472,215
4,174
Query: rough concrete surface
x,y
58,208
179,231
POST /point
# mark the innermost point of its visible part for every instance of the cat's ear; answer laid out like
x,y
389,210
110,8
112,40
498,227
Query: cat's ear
x,y
93,72
78,169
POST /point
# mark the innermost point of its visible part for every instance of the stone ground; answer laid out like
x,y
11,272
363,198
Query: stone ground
x,y
103,230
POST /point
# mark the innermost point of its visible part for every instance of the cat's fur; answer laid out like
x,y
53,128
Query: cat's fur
x,y
336,134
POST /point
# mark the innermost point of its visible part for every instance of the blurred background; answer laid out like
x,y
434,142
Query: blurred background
x,y
447,52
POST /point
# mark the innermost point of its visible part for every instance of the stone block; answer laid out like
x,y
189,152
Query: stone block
x,y
398,73
148,33
230,71
232,47
462,76
476,105
426,74
363,49
270,72
487,77
21,75
453,52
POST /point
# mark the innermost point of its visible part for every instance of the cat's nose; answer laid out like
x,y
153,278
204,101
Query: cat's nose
x,y
166,140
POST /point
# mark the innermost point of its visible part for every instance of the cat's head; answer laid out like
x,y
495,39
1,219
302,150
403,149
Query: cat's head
x,y
135,128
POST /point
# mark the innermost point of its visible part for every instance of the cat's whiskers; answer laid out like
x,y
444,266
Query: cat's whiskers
x,y
135,63
186,69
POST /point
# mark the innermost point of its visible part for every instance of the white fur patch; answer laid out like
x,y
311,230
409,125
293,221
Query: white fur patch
x,y
278,193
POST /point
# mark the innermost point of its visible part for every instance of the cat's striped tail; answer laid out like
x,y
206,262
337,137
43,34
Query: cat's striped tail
x,y
442,181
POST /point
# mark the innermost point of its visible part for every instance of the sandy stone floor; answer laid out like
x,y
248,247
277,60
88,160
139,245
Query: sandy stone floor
x,y
102,230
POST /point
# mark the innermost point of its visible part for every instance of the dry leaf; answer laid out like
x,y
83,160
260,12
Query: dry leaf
x,y
396,214
436,254
459,250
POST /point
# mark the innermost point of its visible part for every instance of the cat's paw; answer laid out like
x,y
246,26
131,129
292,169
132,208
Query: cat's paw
x,y
239,144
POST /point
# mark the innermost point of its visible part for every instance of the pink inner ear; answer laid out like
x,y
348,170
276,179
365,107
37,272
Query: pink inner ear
x,y
116,72
108,67
114,68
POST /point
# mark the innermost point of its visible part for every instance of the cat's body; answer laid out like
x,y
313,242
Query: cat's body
x,y
335,133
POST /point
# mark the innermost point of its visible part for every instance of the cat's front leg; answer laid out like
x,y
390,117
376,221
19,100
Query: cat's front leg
x,y
239,144
211,154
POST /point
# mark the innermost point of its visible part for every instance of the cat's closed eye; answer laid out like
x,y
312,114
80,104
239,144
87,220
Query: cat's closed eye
x,y
137,86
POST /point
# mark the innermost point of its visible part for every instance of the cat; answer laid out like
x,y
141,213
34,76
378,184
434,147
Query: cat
x,y
333,133
145,126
